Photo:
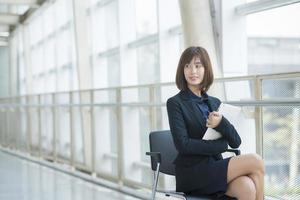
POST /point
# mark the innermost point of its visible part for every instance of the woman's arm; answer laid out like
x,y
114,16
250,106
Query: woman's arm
x,y
223,126
228,131
184,144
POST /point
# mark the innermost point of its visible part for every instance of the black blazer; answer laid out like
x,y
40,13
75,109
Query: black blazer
x,y
188,126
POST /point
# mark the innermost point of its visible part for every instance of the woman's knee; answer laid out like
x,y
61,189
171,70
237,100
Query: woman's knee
x,y
245,165
258,163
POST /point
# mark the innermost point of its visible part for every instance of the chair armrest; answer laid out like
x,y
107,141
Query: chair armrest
x,y
236,151
155,155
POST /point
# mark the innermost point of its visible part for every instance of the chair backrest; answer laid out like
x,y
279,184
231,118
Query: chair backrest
x,y
162,141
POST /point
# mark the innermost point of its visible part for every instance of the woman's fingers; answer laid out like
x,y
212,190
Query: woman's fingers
x,y
213,119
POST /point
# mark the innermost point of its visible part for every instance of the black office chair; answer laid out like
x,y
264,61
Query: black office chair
x,y
163,153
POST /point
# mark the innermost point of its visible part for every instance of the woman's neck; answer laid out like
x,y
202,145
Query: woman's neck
x,y
195,90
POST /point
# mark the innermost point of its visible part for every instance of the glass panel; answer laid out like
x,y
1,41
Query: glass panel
x,y
100,68
111,20
113,64
63,50
48,19
135,95
172,19
47,123
63,79
78,132
105,96
103,27
106,127
274,48
281,131
34,124
49,60
148,64
23,126
63,125
131,135
169,54
146,17
282,88
244,90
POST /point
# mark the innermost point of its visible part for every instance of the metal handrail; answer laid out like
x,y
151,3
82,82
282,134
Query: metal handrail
x,y
277,102
217,79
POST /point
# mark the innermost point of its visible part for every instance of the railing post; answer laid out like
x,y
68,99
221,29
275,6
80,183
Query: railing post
x,y
120,137
6,142
19,125
258,117
28,125
152,108
39,125
93,136
72,144
54,127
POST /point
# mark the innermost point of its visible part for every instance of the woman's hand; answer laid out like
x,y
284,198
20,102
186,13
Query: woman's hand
x,y
214,119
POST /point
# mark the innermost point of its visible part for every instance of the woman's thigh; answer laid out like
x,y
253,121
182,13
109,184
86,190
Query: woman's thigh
x,y
244,165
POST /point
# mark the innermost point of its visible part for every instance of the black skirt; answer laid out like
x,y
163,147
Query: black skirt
x,y
203,178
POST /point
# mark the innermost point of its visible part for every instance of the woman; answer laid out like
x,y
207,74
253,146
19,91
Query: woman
x,y
200,167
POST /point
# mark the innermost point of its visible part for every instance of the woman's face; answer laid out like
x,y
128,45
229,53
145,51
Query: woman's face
x,y
194,72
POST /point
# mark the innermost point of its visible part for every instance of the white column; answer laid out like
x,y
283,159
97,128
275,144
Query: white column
x,y
197,29
84,70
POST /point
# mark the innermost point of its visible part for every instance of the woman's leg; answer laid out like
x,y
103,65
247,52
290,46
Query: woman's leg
x,y
250,165
242,188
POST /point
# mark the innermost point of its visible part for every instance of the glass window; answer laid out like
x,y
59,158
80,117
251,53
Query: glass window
x,y
273,47
113,71
148,66
146,17
48,19
274,40
103,29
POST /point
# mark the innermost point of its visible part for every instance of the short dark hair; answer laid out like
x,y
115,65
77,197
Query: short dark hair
x,y
186,57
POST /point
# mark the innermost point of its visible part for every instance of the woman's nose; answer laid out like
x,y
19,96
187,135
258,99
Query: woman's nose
x,y
194,70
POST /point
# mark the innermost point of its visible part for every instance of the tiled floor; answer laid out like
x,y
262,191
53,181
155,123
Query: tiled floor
x,y
24,180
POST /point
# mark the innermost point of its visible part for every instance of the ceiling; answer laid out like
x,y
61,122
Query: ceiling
x,y
14,12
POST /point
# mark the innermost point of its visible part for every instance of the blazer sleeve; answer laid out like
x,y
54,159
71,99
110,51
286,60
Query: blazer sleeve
x,y
183,143
228,131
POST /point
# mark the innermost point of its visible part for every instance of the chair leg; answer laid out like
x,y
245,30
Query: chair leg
x,y
154,187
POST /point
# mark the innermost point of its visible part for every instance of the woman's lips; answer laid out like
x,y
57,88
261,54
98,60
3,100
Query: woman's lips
x,y
193,78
